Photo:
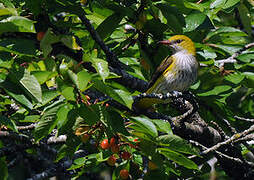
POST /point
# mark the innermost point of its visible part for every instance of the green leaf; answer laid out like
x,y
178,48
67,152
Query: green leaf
x,y
48,121
90,114
227,31
176,143
208,54
101,67
249,76
48,95
71,42
83,79
230,3
67,124
69,93
216,90
116,122
5,60
16,24
217,4
31,118
162,126
84,161
47,41
120,96
178,158
31,85
246,57
245,18
43,76
235,78
7,3
3,169
14,91
16,46
62,115
108,26
175,19
145,125
195,6
228,48
73,77
193,21
8,122
8,11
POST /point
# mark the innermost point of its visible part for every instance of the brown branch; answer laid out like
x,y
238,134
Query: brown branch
x,y
230,140
126,79
218,153
244,119
232,59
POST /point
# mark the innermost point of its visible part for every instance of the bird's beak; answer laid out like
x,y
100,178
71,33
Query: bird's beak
x,y
165,42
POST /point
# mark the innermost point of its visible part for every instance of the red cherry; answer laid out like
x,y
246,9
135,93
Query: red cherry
x,y
111,160
136,140
112,141
40,35
105,144
124,174
126,155
115,149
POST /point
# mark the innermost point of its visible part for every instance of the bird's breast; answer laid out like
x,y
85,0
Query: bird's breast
x,y
182,74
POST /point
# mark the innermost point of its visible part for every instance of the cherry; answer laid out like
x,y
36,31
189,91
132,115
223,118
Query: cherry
x,y
112,141
126,155
115,149
105,144
111,160
40,35
124,174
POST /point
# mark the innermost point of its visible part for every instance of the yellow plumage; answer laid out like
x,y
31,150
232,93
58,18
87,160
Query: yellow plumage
x,y
175,73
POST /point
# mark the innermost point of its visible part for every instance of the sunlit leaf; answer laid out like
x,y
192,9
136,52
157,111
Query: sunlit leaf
x,y
176,143
228,31
235,78
101,67
145,125
193,21
31,85
178,158
48,121
16,24
216,90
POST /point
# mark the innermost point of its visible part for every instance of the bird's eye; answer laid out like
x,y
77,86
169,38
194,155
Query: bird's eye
x,y
178,41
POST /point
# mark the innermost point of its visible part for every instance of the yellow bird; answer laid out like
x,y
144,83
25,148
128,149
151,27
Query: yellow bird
x,y
176,72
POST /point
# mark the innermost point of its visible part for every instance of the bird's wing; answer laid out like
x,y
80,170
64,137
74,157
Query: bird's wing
x,y
159,71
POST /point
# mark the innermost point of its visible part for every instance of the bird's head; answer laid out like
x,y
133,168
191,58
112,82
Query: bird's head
x,y
180,43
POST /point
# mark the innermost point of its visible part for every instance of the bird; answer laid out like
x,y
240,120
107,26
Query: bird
x,y
176,72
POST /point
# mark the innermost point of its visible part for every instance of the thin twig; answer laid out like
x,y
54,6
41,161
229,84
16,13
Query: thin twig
x,y
230,140
117,67
218,153
56,140
28,127
232,59
244,119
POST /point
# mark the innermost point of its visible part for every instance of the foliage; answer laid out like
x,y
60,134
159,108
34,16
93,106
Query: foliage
x,y
57,82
